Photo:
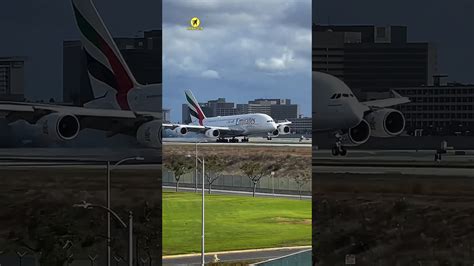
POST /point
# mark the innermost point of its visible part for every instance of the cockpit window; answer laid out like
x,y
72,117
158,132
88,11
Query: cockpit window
x,y
345,95
333,96
352,95
269,121
338,96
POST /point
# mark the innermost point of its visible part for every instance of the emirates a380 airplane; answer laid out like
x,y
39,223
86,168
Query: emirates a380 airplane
x,y
336,109
120,106
227,128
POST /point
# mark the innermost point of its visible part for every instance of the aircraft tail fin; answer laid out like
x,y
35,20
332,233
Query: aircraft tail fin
x,y
107,69
194,108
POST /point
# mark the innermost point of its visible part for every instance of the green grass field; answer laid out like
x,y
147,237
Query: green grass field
x,y
233,222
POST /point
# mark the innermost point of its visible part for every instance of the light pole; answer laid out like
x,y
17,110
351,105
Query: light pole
x,y
109,170
196,167
273,183
202,217
87,205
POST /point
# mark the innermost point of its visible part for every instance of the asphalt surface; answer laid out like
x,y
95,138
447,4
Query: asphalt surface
x,y
392,155
252,142
79,154
233,256
237,192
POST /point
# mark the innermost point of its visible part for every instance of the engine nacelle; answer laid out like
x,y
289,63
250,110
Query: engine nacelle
x,y
213,133
283,130
275,133
149,134
357,135
181,130
386,123
59,126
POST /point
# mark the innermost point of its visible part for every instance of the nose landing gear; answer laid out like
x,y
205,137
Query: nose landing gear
x,y
338,149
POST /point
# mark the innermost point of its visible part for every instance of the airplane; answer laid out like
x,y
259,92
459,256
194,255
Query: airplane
x,y
336,109
121,105
221,128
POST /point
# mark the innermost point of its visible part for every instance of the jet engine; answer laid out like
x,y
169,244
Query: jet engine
x,y
213,133
59,126
275,133
386,122
357,135
283,129
181,130
149,134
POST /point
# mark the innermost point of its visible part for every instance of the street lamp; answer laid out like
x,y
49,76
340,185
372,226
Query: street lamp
x,y
87,205
109,170
273,185
202,218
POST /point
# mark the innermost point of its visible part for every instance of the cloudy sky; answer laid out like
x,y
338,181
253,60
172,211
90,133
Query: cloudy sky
x,y
37,28
247,49
447,24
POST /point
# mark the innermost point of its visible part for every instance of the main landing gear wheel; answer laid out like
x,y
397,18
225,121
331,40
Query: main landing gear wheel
x,y
339,150
222,140
245,140
269,138
233,140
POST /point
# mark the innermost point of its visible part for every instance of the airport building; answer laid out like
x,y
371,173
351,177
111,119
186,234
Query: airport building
x,y
441,109
301,125
166,115
142,54
373,58
12,78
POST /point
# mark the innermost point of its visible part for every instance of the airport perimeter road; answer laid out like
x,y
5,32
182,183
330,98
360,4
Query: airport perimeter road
x,y
234,256
237,192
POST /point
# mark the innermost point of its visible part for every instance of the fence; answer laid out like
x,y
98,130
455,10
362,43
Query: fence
x,y
235,182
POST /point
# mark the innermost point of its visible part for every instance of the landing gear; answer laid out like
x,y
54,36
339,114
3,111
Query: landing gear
x,y
338,149
233,140
222,140
269,138
245,140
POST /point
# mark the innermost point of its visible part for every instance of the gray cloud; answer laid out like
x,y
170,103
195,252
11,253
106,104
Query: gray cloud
x,y
243,42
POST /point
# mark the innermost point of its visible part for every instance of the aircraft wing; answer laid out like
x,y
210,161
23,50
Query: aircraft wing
x,y
225,131
284,123
113,121
396,100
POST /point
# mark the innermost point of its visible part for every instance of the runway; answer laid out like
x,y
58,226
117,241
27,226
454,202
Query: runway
x,y
238,192
277,142
90,155
376,156
400,170
234,256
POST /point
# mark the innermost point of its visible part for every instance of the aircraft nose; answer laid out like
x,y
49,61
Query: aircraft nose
x,y
355,115
273,126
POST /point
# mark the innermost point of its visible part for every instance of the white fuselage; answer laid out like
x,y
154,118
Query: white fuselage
x,y
248,124
334,105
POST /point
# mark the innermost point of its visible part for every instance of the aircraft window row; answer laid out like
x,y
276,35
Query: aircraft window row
x,y
269,121
338,95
